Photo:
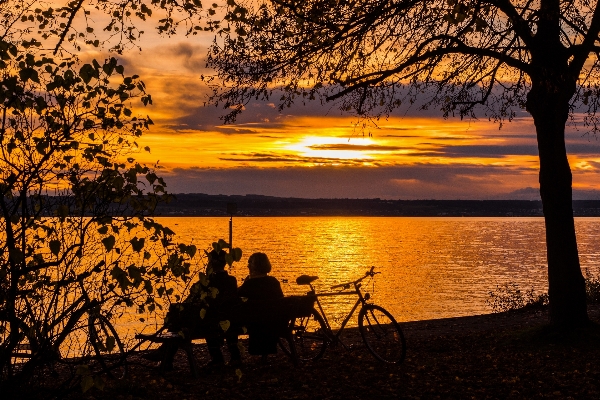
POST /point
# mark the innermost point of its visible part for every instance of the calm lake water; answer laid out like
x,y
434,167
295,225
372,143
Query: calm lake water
x,y
430,267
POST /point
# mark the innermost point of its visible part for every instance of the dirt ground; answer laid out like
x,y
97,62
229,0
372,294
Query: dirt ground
x,y
496,356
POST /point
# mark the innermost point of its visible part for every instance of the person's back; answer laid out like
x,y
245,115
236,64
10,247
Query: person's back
x,y
221,295
260,287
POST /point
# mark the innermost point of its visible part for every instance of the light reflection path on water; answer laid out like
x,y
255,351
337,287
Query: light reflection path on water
x,y
430,267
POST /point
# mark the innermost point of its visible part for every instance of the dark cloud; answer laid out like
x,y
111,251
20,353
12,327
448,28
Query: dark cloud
x,y
239,130
486,151
405,182
583,148
290,158
438,138
527,193
193,57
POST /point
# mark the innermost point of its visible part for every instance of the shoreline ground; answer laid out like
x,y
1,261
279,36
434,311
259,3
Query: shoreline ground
x,y
494,356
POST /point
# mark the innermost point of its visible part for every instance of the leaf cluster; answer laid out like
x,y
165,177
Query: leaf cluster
x,y
371,57
73,25
75,206
510,297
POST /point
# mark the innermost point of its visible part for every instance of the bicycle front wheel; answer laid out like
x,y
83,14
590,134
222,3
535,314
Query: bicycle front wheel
x,y
21,352
382,334
308,334
110,352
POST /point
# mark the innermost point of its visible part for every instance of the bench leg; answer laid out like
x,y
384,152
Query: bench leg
x,y
293,354
187,347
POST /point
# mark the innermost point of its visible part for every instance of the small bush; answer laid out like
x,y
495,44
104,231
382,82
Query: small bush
x,y
510,297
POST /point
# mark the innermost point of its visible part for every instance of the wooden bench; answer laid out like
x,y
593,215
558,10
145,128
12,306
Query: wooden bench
x,y
277,315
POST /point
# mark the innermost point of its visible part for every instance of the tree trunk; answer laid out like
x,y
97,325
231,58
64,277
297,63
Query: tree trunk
x,y
549,106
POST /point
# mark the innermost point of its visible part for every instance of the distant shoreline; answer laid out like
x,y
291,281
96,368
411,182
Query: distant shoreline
x,y
204,205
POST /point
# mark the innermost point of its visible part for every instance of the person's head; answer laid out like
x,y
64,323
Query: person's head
x,y
216,260
259,263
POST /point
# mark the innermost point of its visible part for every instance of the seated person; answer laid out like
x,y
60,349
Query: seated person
x,y
256,287
190,322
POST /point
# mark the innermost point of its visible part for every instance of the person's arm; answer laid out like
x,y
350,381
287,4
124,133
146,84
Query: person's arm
x,y
276,289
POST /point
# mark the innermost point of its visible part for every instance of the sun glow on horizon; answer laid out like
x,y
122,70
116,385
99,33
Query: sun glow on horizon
x,y
334,147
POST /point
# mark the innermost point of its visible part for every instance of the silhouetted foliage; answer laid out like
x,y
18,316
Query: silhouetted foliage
x,y
510,297
77,238
369,57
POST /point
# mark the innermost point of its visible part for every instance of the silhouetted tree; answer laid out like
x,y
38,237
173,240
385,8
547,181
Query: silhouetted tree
x,y
75,205
372,56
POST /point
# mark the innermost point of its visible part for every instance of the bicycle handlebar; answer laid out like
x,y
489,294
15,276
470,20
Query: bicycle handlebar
x,y
371,273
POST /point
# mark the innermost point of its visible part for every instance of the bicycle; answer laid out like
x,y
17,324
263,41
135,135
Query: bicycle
x,y
106,354
379,330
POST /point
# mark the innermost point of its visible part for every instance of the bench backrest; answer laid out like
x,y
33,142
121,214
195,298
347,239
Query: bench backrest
x,y
273,314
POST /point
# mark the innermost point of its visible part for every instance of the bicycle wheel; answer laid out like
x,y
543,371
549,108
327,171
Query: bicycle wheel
x,y
382,334
310,339
21,353
109,349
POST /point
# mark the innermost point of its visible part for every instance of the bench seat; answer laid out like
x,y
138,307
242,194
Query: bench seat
x,y
277,315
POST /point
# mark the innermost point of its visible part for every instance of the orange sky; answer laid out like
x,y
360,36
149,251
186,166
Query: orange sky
x,y
315,151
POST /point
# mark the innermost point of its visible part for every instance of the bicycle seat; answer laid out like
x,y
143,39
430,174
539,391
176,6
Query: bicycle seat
x,y
305,279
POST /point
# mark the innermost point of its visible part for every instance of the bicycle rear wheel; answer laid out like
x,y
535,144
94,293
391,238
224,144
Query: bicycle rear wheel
x,y
382,334
21,353
310,339
110,352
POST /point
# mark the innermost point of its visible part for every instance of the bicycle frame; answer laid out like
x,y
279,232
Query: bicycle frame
x,y
378,328
362,300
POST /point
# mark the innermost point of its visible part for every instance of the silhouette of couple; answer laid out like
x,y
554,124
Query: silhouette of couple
x,y
258,286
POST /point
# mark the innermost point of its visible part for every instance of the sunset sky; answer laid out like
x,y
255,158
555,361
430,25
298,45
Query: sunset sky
x,y
315,151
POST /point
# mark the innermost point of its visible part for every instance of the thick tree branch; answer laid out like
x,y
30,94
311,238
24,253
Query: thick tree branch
x,y
520,25
67,28
460,48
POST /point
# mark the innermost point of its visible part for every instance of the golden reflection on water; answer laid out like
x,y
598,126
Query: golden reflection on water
x,y
430,267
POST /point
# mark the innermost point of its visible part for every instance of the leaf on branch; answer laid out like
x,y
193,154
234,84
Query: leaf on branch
x,y
54,247
224,325
148,286
135,273
120,276
191,250
29,73
87,382
137,244
237,254
87,72
99,382
109,243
